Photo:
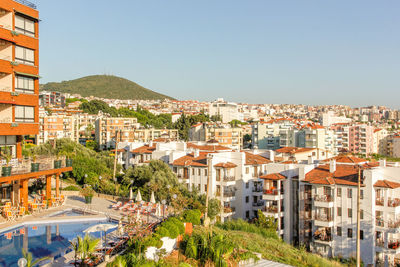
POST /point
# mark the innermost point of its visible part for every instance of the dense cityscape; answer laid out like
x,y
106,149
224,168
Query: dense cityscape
x,y
88,180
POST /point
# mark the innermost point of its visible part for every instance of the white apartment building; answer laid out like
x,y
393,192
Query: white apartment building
x,y
227,110
329,118
58,126
223,133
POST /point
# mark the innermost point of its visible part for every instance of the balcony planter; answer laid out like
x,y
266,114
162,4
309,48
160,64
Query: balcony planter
x,y
35,167
6,171
57,164
68,162
87,192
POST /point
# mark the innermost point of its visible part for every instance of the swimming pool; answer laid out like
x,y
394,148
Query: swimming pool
x,y
44,240
69,212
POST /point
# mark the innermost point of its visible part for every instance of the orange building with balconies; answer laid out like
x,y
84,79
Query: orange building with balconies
x,y
19,73
19,104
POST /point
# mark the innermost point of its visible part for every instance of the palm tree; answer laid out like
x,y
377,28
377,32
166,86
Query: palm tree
x,y
88,246
77,245
29,259
118,262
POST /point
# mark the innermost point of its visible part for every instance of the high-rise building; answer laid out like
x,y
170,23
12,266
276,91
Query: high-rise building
x,y
19,73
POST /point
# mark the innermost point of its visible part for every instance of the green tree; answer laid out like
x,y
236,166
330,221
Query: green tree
x,y
29,259
214,208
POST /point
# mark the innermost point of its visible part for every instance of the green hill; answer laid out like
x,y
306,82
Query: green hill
x,y
105,86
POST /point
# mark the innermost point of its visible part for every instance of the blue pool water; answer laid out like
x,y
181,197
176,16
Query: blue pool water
x,y
69,213
43,240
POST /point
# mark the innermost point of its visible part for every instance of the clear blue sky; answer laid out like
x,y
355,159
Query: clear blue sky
x,y
256,51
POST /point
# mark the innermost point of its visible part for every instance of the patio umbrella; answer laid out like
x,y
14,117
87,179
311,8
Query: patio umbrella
x,y
130,193
158,210
138,197
138,215
152,198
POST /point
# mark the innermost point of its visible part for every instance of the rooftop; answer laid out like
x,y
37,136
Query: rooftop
x,y
26,3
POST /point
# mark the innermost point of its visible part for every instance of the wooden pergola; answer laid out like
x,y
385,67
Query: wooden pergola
x,y
24,180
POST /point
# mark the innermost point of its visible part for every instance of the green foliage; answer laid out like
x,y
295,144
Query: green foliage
x,y
266,222
214,208
71,188
84,247
162,231
184,123
29,259
92,144
73,99
241,225
216,118
237,123
390,159
192,216
106,86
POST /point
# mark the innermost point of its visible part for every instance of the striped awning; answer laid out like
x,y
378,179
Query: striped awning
x,y
27,74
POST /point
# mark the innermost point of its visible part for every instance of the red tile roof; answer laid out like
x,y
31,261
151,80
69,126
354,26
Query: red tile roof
x,y
226,165
387,184
190,160
252,159
273,176
344,174
293,150
146,149
208,147
346,159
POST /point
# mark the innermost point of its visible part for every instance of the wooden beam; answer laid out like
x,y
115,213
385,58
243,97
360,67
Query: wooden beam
x,y
8,179
48,189
24,193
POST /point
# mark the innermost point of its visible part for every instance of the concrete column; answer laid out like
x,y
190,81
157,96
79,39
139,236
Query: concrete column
x,y
19,147
48,234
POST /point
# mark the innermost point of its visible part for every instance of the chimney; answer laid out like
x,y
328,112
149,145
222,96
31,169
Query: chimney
x,y
332,166
196,153
310,160
382,163
272,155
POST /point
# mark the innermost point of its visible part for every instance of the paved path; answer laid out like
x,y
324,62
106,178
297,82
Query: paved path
x,y
265,263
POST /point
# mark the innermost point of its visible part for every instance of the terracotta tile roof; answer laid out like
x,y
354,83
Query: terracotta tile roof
x,y
294,150
190,160
346,159
118,150
226,165
273,176
146,149
387,184
208,147
252,159
344,174
377,130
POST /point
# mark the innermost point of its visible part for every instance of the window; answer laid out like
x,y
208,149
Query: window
x,y
349,193
24,85
361,215
247,170
24,26
24,114
350,213
350,233
339,211
361,194
282,223
361,234
339,231
192,171
247,199
24,55
247,214
247,185
205,172
199,172
339,192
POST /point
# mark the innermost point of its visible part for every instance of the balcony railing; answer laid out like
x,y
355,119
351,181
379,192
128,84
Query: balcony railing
x,y
326,238
380,243
323,198
229,178
393,202
271,209
258,204
379,202
394,224
274,192
26,3
379,222
324,218
229,194
257,189
24,166
229,209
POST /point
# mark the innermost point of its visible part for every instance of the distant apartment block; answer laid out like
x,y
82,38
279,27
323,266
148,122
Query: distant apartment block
x,y
58,126
109,130
51,99
224,134
358,139
228,111
329,118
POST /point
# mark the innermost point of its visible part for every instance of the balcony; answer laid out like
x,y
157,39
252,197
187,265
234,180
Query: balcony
x,y
323,238
379,222
258,204
272,194
325,201
270,209
323,220
380,243
229,194
46,165
257,189
379,202
228,210
393,203
394,245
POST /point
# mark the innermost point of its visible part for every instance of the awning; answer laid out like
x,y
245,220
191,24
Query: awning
x,y
7,102
28,74
8,39
26,15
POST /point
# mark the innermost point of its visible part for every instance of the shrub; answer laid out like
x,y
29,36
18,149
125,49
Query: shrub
x,y
172,228
177,223
162,231
71,188
192,216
